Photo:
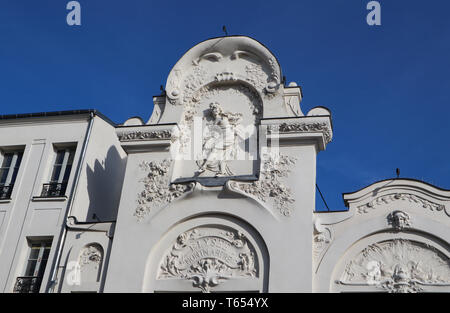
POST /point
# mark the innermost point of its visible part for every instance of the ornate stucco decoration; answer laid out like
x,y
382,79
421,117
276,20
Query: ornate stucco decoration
x,y
399,220
273,79
269,186
91,254
322,237
193,82
219,141
182,135
249,98
144,135
398,266
255,75
225,76
158,191
387,199
208,256
223,60
292,103
174,86
303,127
266,83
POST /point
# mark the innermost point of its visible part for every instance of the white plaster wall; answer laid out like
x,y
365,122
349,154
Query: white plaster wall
x,y
288,239
101,177
73,275
24,216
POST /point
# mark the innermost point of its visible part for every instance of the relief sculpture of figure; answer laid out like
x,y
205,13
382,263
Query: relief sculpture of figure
x,y
219,141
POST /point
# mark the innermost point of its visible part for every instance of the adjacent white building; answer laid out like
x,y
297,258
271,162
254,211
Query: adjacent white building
x,y
215,192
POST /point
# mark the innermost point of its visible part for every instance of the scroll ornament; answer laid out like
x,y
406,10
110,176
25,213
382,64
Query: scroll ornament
x,y
398,266
158,191
208,257
269,186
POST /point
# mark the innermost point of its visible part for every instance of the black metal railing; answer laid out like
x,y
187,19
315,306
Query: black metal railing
x,y
5,191
27,284
53,190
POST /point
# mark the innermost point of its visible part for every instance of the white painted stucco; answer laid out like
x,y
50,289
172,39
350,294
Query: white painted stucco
x,y
145,212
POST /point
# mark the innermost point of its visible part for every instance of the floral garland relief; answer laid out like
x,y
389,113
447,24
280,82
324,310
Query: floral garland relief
x,y
387,199
208,256
269,186
158,191
398,266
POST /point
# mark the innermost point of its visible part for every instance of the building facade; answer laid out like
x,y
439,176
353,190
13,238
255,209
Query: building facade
x,y
215,192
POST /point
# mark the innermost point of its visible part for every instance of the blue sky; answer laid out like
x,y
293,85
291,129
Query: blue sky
x,y
387,86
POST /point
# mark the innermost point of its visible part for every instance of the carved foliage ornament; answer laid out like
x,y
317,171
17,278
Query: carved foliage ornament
x,y
322,238
91,254
269,186
398,266
212,91
399,197
181,89
157,188
256,75
193,82
145,135
209,256
302,127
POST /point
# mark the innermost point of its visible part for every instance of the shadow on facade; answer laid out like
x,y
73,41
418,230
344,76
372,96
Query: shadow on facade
x,y
104,185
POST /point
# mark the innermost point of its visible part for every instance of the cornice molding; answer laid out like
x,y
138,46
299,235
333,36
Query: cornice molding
x,y
142,135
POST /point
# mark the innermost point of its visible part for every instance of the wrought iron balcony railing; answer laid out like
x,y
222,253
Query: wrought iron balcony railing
x,y
27,284
53,190
5,191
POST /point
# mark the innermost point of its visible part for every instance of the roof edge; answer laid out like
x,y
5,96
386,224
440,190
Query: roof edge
x,y
57,113
392,182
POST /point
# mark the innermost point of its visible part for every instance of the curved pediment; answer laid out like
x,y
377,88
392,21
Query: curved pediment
x,y
217,63
398,193
223,59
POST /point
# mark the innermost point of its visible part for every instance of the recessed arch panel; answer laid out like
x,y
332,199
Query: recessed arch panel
x,y
208,254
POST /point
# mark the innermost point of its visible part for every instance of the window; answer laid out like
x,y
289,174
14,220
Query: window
x,y
60,173
10,163
37,261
